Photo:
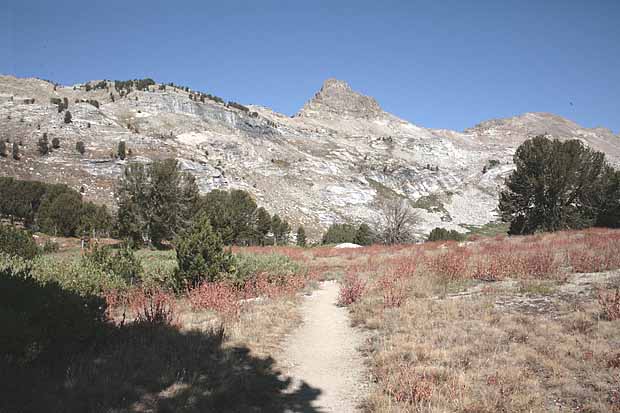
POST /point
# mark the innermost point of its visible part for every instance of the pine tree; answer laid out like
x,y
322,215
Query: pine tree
x,y
301,236
60,215
363,235
55,143
285,231
68,117
156,202
16,155
79,146
3,149
263,225
43,145
200,254
556,185
276,228
122,150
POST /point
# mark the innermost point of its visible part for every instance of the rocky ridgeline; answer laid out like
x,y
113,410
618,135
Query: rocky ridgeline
x,y
336,160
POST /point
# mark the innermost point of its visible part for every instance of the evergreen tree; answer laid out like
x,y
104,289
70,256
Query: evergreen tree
x,y
95,220
122,150
609,212
79,146
285,230
15,153
233,215
3,149
301,236
556,185
363,235
55,143
200,254
155,202
68,117
276,228
263,225
59,214
43,145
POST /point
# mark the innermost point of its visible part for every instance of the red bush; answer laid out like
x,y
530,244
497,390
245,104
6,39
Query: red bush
x,y
216,296
403,384
393,288
539,264
351,290
610,303
451,265
154,306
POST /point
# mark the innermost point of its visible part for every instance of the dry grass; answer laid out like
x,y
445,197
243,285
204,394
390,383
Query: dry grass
x,y
537,339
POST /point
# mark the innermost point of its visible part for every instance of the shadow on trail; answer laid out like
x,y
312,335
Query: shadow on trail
x,y
142,368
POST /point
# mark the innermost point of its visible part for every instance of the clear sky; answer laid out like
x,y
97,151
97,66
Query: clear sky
x,y
440,64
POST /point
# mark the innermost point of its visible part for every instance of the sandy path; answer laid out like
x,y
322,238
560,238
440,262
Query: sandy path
x,y
323,353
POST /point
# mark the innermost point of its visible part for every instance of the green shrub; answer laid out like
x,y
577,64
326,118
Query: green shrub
x,y
200,254
159,268
442,234
121,263
81,276
339,233
14,241
50,247
42,320
275,265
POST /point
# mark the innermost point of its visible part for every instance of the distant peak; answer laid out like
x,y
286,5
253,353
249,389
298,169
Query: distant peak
x,y
333,83
337,99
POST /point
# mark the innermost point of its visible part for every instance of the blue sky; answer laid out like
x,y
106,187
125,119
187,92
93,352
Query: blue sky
x,y
440,64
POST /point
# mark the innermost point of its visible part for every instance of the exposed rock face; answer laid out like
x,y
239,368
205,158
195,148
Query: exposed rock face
x,y
336,99
337,160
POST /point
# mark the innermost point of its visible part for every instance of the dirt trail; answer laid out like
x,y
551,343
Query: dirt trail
x,y
323,353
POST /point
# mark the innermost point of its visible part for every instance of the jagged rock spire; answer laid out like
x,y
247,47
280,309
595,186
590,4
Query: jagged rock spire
x,y
337,99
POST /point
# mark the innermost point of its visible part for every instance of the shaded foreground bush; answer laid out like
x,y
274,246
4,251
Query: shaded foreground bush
x,y
60,351
41,320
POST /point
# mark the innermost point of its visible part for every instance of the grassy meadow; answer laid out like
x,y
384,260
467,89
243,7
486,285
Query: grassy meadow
x,y
514,324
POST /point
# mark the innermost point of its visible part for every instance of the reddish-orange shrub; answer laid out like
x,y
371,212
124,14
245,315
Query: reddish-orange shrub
x,y
452,264
351,290
393,287
403,384
538,263
487,267
219,296
610,303
266,285
154,306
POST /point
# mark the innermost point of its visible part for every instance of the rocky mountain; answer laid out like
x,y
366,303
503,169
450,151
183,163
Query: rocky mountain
x,y
335,160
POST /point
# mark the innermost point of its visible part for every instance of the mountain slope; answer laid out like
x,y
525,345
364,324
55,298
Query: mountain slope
x,y
337,159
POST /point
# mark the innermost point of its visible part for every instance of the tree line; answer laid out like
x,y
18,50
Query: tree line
x,y
157,202
54,209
